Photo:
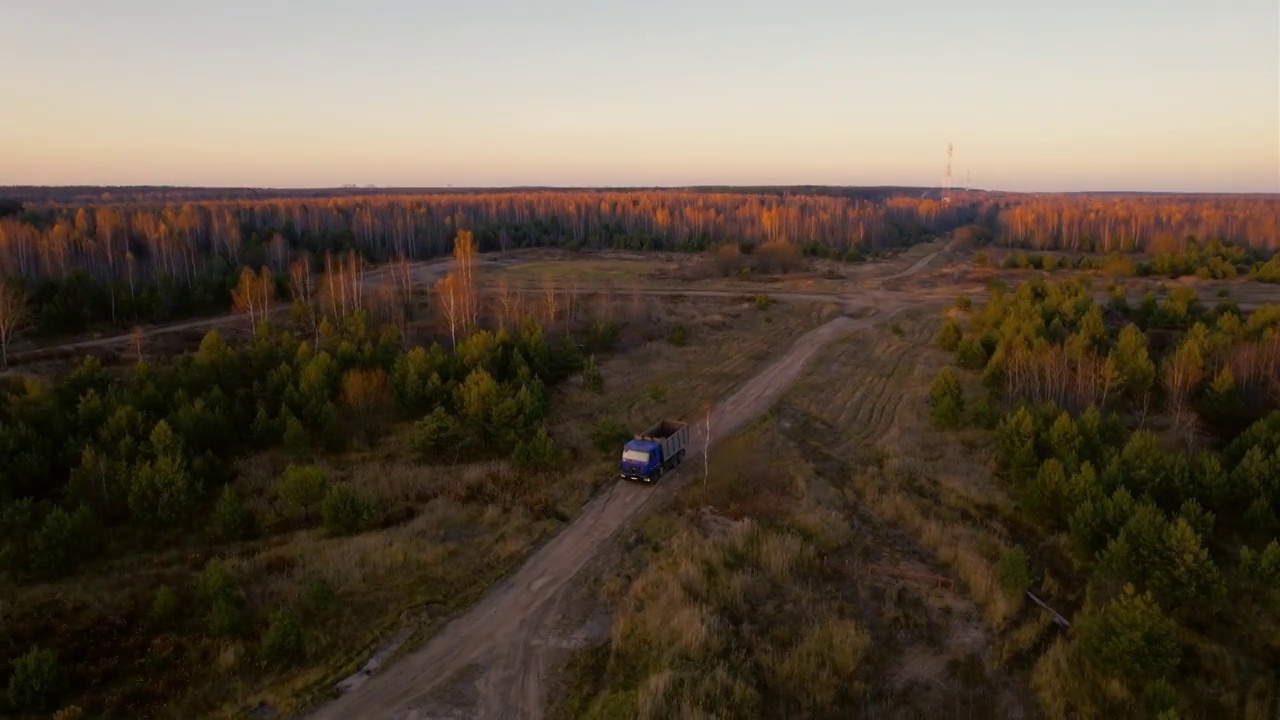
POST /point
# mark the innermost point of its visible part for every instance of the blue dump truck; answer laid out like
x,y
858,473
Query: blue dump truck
x,y
655,451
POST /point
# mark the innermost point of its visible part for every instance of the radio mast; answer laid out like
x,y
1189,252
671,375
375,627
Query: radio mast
x,y
946,178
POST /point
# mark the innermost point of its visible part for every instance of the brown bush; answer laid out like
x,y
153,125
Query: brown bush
x,y
728,260
367,398
776,256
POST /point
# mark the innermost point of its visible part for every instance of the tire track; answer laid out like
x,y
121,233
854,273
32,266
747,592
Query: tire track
x,y
877,419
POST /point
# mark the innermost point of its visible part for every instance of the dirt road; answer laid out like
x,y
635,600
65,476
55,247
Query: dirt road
x,y
492,660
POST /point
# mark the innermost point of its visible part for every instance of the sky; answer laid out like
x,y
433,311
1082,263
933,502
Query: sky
x,y
1159,95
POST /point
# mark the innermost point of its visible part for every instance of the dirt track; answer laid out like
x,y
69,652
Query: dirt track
x,y
494,657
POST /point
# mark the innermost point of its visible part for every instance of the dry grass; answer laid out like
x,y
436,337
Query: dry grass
x,y
728,342
956,543
594,269
820,665
620,271
753,617
871,389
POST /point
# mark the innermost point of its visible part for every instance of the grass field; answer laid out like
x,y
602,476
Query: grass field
x,y
621,271
833,526
595,271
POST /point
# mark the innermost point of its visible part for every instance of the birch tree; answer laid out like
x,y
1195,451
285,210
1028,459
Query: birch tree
x,y
14,314
1183,372
450,305
464,257
252,296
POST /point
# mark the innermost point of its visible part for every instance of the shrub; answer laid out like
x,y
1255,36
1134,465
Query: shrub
x,y
218,582
225,618
537,454
776,256
1012,570
282,641
296,438
1270,271
678,336
763,302
985,415
303,486
971,354
592,378
37,681
946,398
231,519
161,490
344,511
657,392
949,335
438,434
602,336
367,398
165,605
320,595
63,541
896,329
18,524
608,435
1131,638
1160,700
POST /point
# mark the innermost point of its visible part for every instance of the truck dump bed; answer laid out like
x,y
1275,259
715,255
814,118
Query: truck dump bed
x,y
662,430
671,436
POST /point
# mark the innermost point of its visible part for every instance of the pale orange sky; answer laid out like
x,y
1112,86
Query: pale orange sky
x,y
1106,95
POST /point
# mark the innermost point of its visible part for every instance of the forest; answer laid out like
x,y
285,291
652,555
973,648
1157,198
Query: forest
x,y
143,262
1212,260
103,257
1142,444
104,464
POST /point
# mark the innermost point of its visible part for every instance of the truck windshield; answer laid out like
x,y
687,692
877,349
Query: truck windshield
x,y
635,456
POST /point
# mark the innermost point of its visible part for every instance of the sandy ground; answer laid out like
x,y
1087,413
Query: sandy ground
x,y
493,660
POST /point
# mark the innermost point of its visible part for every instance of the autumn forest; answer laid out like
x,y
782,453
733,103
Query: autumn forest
x,y
122,257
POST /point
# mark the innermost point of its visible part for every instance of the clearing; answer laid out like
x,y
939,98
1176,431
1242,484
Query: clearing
x,y
493,659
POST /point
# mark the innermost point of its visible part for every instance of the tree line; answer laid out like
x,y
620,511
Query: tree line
x,y
1143,446
1129,223
143,261
1215,260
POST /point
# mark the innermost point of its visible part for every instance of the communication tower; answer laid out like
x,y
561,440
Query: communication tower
x,y
946,178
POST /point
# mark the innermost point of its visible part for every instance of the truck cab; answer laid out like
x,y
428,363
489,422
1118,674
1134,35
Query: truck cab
x,y
641,460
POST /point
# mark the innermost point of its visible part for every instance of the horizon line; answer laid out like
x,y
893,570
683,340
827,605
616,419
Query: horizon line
x,y
620,187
